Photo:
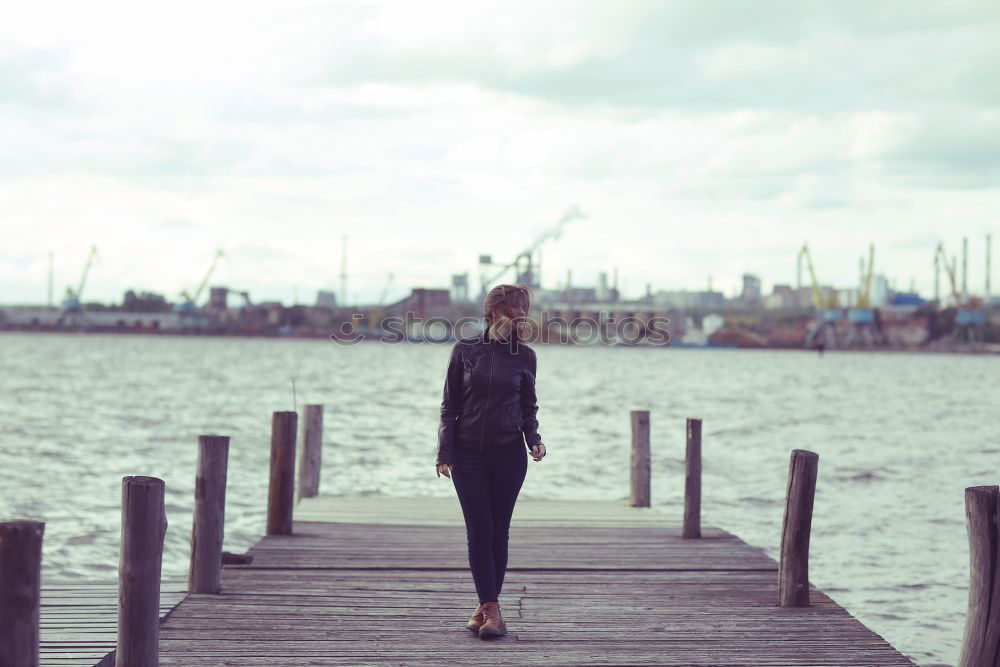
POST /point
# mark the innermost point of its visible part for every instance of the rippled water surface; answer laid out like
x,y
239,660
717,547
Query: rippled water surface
x,y
899,437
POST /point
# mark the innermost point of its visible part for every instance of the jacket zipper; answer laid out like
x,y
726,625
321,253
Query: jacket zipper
x,y
489,390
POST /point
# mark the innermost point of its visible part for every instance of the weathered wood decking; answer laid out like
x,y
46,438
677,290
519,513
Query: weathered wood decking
x,y
79,620
386,581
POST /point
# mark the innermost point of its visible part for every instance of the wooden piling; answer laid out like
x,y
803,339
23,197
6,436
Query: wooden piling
x,y
281,490
20,593
144,524
793,568
204,574
980,642
640,459
992,640
310,462
692,481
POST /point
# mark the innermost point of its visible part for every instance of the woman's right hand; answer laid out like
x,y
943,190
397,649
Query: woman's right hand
x,y
443,469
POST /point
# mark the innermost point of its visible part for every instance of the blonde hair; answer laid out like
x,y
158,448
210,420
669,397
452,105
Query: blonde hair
x,y
499,300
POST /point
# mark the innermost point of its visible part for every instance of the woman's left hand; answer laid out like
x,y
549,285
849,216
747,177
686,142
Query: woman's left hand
x,y
538,452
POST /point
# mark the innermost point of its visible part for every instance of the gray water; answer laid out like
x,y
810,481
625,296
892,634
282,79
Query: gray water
x,y
899,437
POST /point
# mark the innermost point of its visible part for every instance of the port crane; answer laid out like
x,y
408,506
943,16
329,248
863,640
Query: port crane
x,y
189,305
969,319
524,264
864,332
828,311
72,306
941,258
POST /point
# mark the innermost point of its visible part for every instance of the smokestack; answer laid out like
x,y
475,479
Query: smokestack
x,y
569,278
965,268
614,284
798,271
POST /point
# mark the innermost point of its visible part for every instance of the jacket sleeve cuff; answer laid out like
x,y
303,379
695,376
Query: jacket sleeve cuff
x,y
445,455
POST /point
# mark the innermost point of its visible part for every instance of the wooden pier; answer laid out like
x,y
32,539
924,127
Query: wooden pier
x,y
381,580
386,581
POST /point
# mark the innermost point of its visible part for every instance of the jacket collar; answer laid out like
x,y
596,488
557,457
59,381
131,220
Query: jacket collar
x,y
512,344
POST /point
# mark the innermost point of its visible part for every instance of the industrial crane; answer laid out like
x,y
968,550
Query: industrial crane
x,y
862,316
940,257
829,303
72,307
524,262
189,305
969,319
828,311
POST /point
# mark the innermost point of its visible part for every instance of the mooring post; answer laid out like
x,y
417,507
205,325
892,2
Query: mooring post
x,y
310,462
692,481
640,458
205,572
793,569
20,591
281,490
144,524
982,621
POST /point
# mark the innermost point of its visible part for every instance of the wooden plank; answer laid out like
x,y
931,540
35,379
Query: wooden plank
x,y
587,591
329,546
592,591
443,510
79,619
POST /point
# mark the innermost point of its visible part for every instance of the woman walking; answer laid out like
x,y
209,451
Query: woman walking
x,y
488,421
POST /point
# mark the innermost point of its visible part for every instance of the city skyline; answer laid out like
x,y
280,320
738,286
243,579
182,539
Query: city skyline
x,y
393,291
700,140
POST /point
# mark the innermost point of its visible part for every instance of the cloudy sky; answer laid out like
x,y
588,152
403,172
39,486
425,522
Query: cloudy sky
x,y
701,138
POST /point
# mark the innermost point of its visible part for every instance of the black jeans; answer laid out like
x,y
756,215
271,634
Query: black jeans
x,y
487,484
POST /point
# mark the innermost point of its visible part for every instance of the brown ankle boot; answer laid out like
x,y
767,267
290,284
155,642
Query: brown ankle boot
x,y
476,620
493,625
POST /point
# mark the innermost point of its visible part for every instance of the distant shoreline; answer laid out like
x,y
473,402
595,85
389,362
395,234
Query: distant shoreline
x,y
935,348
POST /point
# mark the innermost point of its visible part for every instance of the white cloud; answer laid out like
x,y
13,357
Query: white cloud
x,y
700,138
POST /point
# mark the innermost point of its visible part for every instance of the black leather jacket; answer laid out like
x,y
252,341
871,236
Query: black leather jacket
x,y
489,397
